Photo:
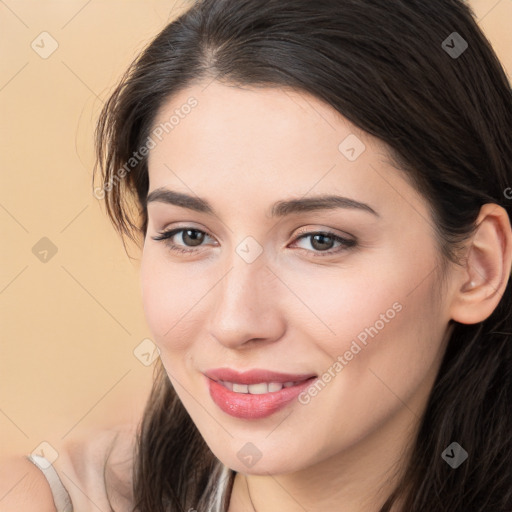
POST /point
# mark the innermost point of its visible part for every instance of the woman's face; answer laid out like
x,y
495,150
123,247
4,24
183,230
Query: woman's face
x,y
275,280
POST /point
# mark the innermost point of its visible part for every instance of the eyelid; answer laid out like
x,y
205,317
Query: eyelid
x,y
346,242
166,234
316,231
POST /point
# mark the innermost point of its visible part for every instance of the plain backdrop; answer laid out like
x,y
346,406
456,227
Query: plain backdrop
x,y
74,343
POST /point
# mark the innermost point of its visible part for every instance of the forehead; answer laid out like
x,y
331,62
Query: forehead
x,y
255,122
264,142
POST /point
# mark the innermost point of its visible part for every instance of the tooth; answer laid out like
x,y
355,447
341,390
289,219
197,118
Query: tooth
x,y
258,389
228,385
275,386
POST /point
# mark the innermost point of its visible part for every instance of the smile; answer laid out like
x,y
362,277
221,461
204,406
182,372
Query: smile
x,y
257,389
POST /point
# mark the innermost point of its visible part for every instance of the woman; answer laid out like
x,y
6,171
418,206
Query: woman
x,y
322,192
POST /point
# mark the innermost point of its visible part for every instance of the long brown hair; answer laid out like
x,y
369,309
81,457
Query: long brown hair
x,y
443,109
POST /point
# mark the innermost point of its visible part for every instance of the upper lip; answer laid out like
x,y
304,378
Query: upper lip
x,y
255,376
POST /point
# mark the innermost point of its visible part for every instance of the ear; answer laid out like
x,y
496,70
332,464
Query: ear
x,y
486,271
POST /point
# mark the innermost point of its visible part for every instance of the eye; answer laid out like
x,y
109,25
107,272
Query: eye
x,y
322,242
189,235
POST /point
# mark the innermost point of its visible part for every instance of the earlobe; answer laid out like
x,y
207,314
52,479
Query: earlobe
x,y
487,267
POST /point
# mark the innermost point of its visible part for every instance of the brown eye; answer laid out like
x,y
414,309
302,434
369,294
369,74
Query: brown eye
x,y
323,242
190,238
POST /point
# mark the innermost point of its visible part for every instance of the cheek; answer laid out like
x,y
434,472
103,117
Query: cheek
x,y
342,303
169,293
390,352
385,327
385,302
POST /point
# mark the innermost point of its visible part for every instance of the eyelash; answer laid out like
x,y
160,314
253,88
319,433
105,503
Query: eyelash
x,y
346,243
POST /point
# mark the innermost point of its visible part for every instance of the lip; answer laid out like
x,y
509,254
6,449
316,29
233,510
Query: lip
x,y
255,376
248,406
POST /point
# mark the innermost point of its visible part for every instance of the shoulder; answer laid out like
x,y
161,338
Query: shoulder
x,y
23,486
95,467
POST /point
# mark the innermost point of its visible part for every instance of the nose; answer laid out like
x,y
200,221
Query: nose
x,y
247,306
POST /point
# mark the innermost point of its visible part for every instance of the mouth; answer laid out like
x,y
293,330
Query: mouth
x,y
256,381
260,388
254,394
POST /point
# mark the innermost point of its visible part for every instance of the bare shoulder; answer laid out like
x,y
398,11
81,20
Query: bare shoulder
x,y
23,486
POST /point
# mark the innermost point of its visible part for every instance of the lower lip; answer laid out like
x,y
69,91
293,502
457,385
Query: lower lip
x,y
247,406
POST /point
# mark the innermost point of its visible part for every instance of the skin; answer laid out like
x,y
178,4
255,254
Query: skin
x,y
291,311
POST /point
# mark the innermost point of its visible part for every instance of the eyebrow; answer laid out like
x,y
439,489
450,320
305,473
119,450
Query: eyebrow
x,y
279,209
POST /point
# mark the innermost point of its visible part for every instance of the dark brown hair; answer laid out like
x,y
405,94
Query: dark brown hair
x,y
389,67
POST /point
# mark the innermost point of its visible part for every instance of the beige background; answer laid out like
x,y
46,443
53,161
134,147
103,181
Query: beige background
x,y
70,325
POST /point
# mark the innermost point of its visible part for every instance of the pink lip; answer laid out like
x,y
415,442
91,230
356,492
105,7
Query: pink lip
x,y
255,376
247,406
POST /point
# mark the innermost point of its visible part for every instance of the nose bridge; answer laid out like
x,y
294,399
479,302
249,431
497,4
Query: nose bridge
x,y
245,306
